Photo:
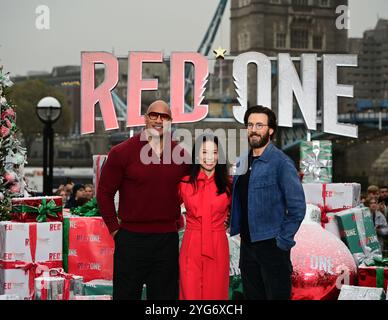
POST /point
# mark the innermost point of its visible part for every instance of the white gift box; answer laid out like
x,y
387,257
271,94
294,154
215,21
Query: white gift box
x,y
17,240
361,293
333,196
14,282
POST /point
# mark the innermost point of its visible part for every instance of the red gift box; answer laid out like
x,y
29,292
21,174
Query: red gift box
x,y
373,276
88,248
37,209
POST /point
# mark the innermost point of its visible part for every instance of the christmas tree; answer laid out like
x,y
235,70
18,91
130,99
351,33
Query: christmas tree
x,y
12,155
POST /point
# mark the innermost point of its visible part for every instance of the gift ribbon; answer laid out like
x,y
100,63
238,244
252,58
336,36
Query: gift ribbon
x,y
325,209
67,276
380,264
312,165
89,209
367,256
34,269
44,210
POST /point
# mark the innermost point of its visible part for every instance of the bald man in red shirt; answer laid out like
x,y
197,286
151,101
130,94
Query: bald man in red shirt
x,y
146,239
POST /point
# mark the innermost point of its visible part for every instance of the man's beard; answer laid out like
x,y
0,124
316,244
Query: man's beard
x,y
261,143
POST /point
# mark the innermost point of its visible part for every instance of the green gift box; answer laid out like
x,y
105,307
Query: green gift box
x,y
98,287
316,161
358,233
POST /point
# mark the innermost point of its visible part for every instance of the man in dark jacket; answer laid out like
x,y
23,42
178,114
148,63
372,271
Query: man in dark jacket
x,y
268,206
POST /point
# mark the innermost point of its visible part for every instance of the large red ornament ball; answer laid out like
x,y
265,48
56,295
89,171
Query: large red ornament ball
x,y
321,264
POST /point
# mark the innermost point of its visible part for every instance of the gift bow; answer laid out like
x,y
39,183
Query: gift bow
x,y
44,210
367,256
58,272
312,165
89,209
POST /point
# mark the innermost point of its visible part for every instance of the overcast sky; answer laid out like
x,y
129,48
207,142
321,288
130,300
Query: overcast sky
x,y
122,25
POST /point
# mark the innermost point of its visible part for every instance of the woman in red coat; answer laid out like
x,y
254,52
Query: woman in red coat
x,y
204,255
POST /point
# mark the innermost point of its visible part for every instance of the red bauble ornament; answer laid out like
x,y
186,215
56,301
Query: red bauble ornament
x,y
15,188
321,262
10,177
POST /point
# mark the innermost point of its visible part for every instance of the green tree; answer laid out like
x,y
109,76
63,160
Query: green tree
x,y
26,96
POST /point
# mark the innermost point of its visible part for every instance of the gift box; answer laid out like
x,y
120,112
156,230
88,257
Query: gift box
x,y
9,297
331,224
333,196
316,161
98,287
374,273
26,251
49,288
358,233
88,248
235,282
96,297
73,284
37,209
361,293
331,199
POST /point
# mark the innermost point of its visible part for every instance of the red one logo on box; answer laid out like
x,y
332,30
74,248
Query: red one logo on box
x,y
8,227
55,256
90,238
106,251
329,194
89,266
13,285
7,285
8,256
55,226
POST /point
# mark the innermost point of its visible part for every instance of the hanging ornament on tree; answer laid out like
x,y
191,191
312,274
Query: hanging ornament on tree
x,y
15,188
1,196
321,262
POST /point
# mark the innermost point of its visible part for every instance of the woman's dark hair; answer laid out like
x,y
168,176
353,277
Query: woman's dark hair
x,y
221,171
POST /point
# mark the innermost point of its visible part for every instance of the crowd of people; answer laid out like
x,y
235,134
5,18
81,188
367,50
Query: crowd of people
x,y
75,194
376,199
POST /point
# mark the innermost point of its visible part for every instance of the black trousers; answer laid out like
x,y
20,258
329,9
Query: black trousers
x,y
265,271
150,259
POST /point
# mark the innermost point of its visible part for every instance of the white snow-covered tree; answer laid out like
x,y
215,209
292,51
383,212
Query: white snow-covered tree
x,y
13,156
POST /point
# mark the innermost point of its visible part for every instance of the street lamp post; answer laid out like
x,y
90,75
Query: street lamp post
x,y
48,111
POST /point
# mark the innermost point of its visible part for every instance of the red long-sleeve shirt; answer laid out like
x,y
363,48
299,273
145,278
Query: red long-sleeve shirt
x,y
149,200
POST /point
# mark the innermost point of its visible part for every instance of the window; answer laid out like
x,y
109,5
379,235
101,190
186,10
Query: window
x,y
280,40
317,42
300,2
299,39
324,3
244,41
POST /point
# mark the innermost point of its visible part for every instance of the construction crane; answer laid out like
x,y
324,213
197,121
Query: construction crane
x,y
205,47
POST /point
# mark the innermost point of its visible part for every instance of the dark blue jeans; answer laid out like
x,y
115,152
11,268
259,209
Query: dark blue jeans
x,y
145,258
265,271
